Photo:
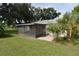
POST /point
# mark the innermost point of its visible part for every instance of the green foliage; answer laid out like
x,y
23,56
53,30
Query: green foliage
x,y
68,23
54,28
76,10
49,13
12,12
17,12
1,29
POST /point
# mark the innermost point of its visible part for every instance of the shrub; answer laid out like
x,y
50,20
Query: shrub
x,y
1,29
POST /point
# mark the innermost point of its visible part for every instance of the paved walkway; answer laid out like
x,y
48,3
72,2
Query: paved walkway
x,y
47,38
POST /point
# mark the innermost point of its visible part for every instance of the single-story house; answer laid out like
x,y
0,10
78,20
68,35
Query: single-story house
x,y
32,29
35,29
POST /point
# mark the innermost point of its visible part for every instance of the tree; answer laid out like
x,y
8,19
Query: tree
x,y
1,28
68,23
45,13
24,12
49,13
13,12
55,29
76,10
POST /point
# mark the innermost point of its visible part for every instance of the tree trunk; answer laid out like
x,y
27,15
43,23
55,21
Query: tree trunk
x,y
69,34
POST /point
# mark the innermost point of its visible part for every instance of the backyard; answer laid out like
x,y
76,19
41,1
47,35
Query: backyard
x,y
24,30
18,45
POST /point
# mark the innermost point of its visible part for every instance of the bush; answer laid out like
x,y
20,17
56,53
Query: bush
x,y
1,29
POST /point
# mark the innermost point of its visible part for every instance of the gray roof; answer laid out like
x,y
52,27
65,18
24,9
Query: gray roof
x,y
49,21
24,24
46,21
41,22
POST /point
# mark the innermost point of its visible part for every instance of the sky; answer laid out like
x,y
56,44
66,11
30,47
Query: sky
x,y
60,7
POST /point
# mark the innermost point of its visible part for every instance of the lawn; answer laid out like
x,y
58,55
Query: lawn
x,y
19,45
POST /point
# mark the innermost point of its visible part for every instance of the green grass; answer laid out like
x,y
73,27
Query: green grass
x,y
19,45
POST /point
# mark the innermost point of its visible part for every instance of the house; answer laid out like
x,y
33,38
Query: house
x,y
35,29
32,29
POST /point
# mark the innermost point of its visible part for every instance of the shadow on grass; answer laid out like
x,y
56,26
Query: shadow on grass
x,y
75,41
64,41
8,33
